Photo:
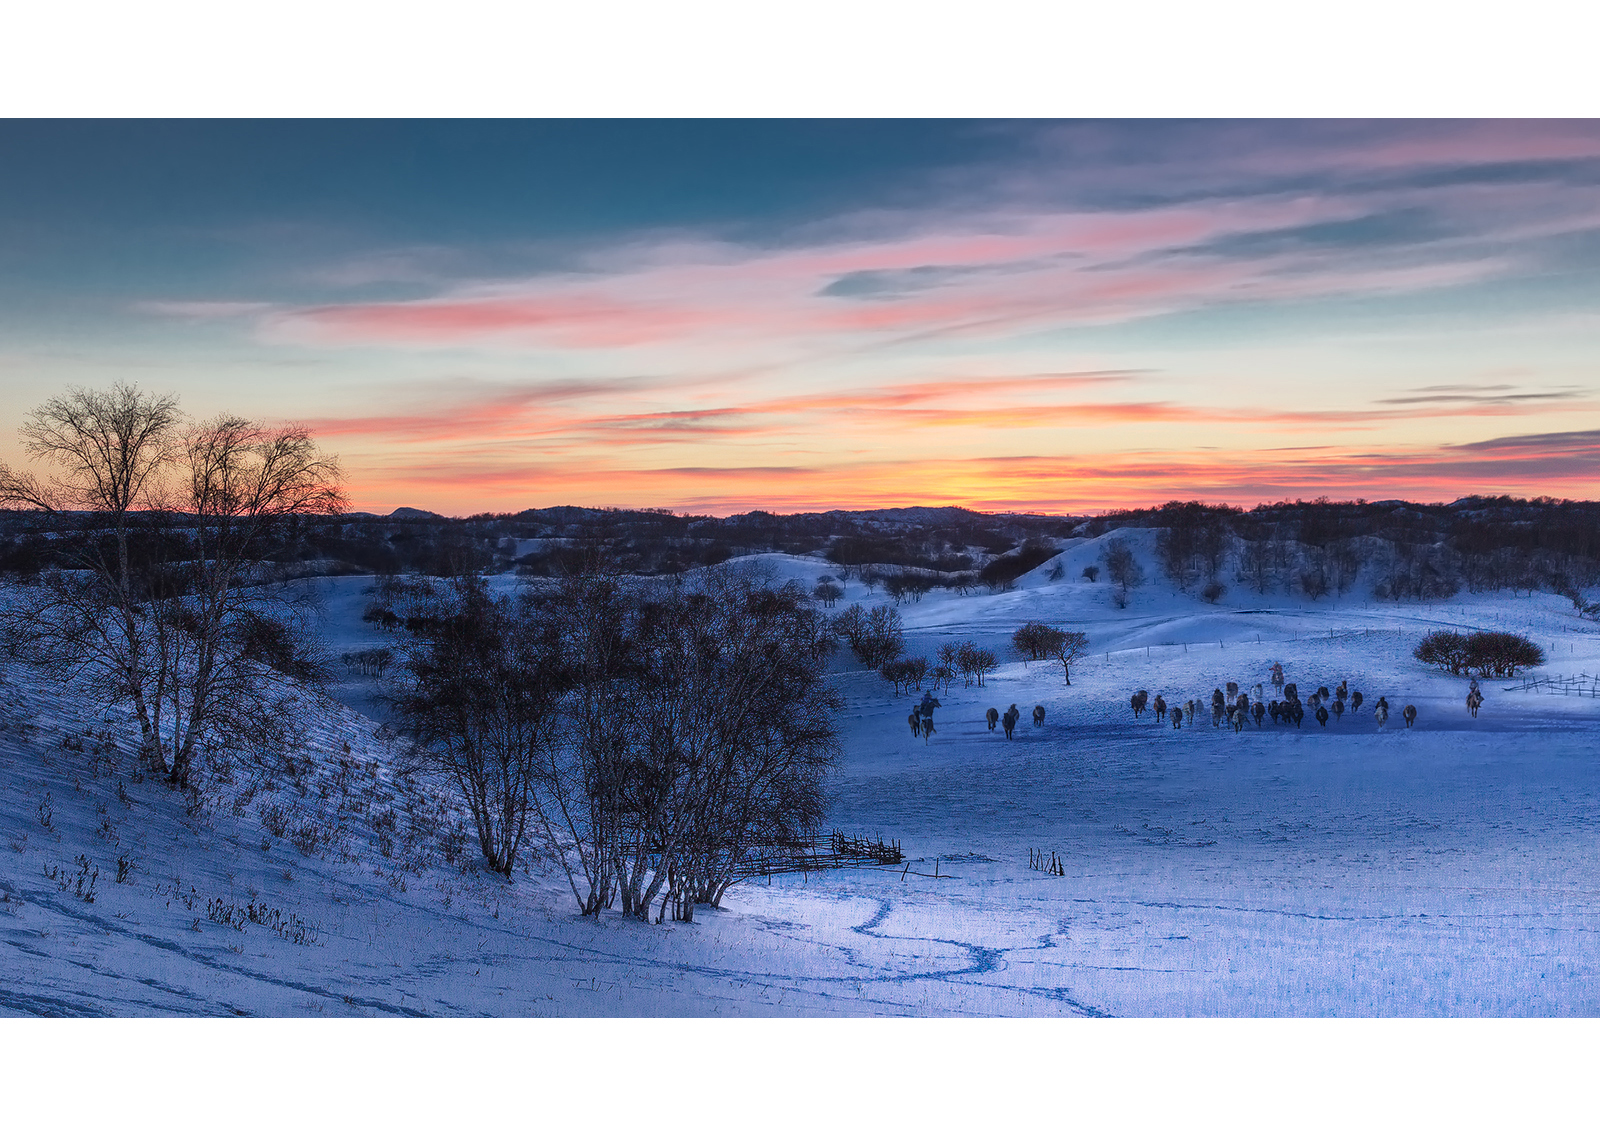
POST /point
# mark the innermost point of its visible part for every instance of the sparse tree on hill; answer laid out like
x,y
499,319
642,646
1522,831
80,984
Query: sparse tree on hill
x,y
1035,640
919,584
1314,583
1072,646
1122,568
916,671
895,673
908,673
1498,654
698,725
975,662
1255,565
828,593
875,637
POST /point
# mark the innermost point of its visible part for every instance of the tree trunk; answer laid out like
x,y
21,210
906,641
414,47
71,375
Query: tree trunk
x,y
149,739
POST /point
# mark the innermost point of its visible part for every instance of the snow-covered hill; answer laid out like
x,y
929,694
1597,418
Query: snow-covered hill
x,y
1352,870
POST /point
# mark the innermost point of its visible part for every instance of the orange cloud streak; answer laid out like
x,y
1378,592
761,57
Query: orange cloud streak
x,y
1560,464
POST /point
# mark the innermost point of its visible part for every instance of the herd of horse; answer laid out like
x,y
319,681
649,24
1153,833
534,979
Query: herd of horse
x,y
921,718
1237,707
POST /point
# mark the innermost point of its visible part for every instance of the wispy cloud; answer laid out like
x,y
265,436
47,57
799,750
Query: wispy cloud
x,y
1005,309
1483,394
205,309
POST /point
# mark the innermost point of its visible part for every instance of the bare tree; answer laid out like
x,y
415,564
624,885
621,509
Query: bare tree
x,y
583,807
828,592
243,481
975,662
1255,564
165,541
875,637
698,727
487,680
92,621
1072,646
1314,582
1122,569
916,671
1035,640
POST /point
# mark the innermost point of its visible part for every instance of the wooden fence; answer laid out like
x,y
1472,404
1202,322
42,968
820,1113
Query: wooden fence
x,y
1581,685
839,851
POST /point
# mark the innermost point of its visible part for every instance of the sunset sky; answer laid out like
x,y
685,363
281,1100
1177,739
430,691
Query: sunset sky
x,y
714,317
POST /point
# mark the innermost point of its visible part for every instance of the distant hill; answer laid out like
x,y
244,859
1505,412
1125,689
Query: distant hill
x,y
1393,549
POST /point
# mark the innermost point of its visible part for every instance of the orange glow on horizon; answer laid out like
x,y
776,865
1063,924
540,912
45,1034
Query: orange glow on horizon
x,y
1558,466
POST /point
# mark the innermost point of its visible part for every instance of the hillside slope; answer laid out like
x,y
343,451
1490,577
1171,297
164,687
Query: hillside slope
x,y
1446,869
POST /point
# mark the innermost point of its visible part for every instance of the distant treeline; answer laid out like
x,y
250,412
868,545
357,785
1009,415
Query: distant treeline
x,y
1403,550
1397,549
552,542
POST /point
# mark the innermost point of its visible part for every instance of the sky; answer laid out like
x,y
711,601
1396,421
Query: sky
x,y
718,316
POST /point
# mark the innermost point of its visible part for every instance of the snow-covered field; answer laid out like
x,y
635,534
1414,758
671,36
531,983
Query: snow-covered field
x,y
1450,869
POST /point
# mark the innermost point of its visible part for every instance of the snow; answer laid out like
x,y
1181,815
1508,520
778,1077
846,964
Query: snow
x,y
1444,870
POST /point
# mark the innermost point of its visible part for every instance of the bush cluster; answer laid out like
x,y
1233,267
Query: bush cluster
x,y
646,735
875,637
908,673
1496,654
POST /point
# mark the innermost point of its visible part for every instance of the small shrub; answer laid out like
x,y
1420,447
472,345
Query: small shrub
x,y
225,913
308,838
1214,591
82,882
384,825
275,818
194,802
126,865
46,813
1092,573
453,842
88,874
